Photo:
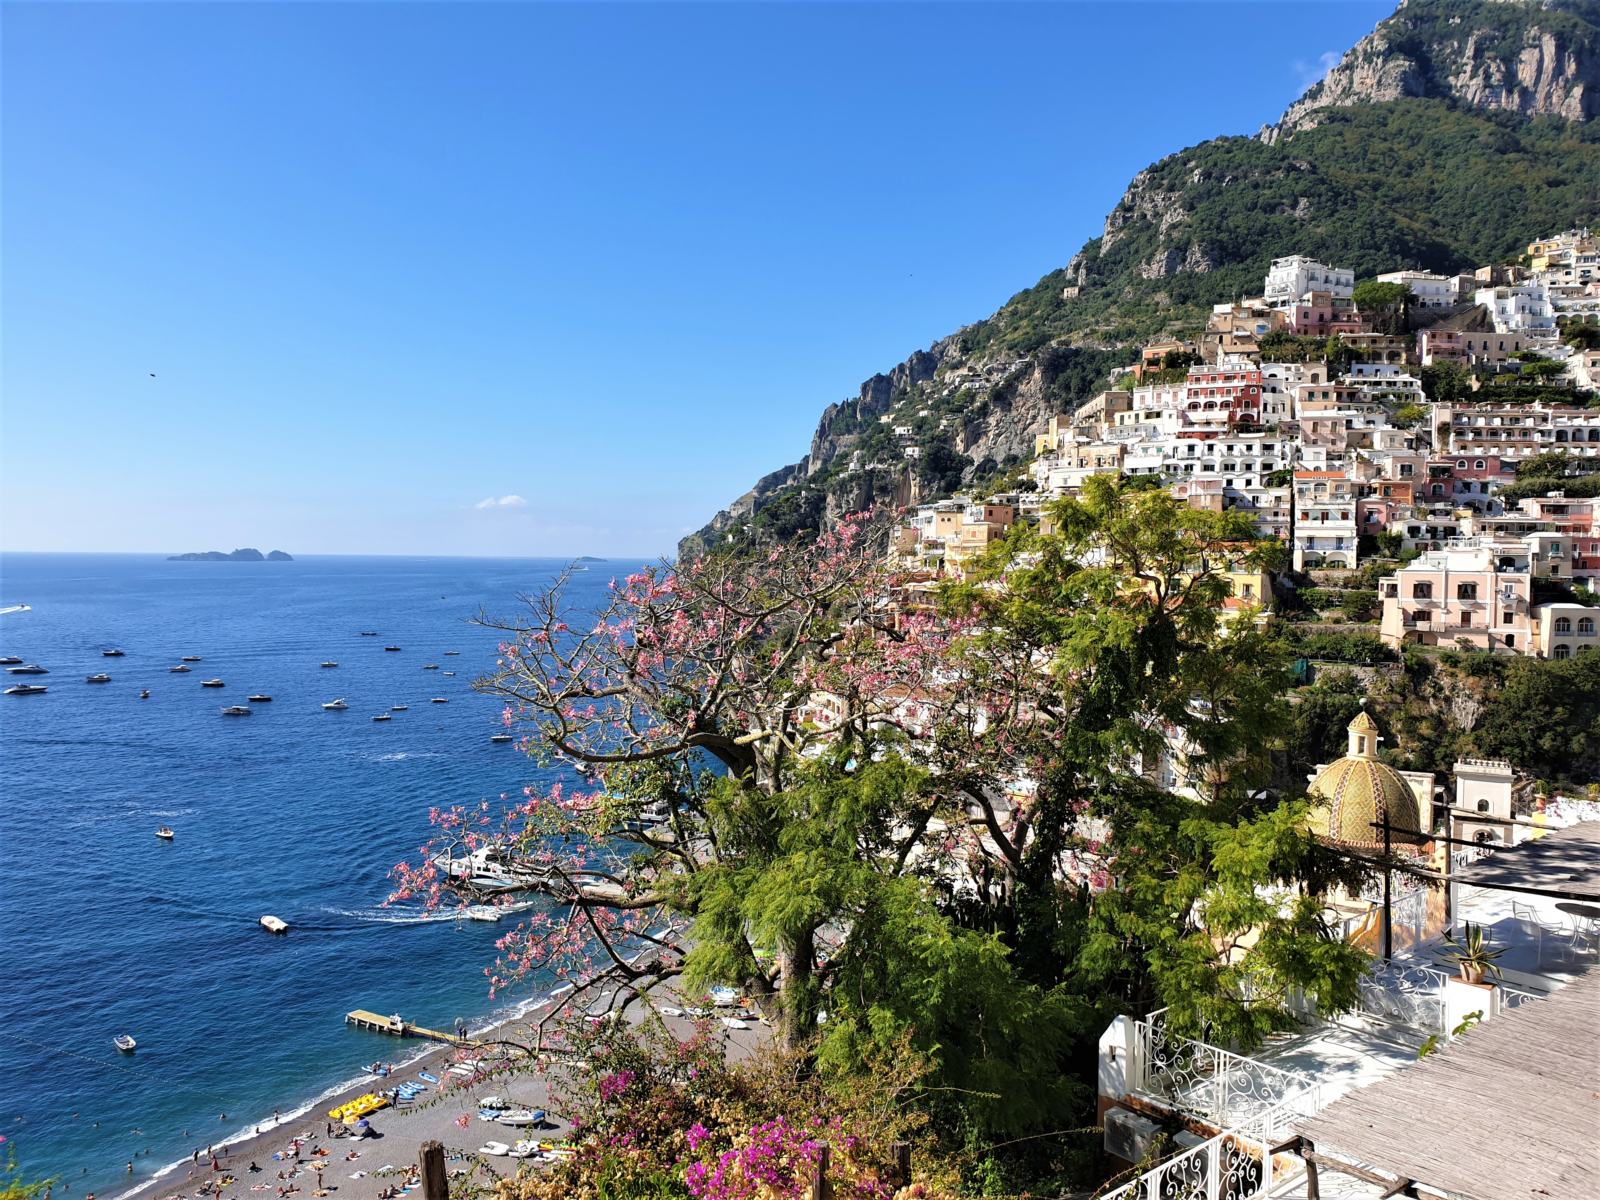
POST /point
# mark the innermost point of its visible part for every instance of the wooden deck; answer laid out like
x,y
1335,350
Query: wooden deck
x,y
397,1026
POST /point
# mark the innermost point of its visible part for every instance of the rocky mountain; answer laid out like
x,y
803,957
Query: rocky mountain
x,y
1448,138
1530,58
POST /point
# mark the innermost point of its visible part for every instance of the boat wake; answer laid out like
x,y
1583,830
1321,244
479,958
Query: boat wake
x,y
392,916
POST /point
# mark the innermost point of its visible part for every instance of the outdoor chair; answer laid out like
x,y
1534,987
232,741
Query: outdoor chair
x,y
1583,937
1528,923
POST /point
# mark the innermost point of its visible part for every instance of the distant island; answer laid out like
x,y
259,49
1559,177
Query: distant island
x,y
588,558
248,554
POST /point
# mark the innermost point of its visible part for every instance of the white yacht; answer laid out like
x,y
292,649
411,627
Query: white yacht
x,y
487,869
335,705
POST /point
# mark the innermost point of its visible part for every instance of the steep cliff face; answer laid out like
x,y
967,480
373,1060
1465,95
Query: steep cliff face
x,y
1383,165
1530,57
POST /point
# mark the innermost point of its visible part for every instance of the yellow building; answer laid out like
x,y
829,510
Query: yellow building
x,y
1357,790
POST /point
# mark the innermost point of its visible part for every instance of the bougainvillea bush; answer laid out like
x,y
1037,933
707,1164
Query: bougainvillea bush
x,y
654,1114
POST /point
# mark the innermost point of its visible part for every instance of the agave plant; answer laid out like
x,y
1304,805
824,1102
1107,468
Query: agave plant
x,y
1473,956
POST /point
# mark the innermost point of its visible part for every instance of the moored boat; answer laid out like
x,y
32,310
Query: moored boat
x,y
27,669
391,649
98,677
430,666
144,693
369,633
382,717
124,1043
451,653
335,705
190,658
9,660
259,698
274,924
26,689
212,683
164,833
439,700
236,710
399,707
180,669
499,737
113,653
329,663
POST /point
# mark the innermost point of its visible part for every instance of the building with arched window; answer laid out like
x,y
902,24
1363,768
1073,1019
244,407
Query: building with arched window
x,y
1566,630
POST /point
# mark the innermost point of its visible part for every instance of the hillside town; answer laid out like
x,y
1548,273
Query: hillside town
x,y
1384,432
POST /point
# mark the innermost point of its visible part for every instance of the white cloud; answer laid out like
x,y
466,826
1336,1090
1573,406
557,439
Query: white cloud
x,y
512,501
1315,72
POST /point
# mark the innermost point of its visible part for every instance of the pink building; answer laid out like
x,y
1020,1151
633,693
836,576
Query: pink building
x,y
1459,595
1227,395
1320,314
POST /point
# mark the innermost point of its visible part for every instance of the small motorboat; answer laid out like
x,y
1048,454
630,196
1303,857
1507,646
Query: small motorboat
x,y
335,705
481,912
190,658
180,669
113,653
439,700
274,924
329,663
236,710
26,689
500,737
27,669
369,633
124,1043
398,707
9,660
391,649
212,683
451,653
383,717
449,672
164,833
98,677
519,1117
430,666
259,698
144,693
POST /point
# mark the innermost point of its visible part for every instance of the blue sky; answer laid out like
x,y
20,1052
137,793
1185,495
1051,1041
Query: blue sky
x,y
604,263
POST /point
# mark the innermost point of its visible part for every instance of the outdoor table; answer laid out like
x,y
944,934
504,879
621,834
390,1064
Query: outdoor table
x,y
1573,908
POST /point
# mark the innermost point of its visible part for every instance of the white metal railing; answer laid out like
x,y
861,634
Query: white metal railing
x,y
1403,994
1236,1164
1217,1086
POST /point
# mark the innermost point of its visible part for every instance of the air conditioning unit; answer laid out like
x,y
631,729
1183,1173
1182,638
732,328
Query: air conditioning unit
x,y
1129,1135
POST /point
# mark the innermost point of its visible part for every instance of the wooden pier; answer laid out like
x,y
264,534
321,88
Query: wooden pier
x,y
397,1026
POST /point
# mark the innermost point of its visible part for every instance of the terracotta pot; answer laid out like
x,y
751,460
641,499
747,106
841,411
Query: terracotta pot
x,y
1472,972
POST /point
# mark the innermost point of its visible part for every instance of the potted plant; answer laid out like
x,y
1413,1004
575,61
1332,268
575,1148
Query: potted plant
x,y
1473,957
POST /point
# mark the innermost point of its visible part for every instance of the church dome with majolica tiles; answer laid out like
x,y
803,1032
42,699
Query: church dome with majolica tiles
x,y
1353,792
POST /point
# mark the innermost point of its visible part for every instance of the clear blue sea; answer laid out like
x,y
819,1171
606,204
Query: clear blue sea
x,y
295,811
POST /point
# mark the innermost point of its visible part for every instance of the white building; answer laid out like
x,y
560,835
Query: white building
x,y
1429,290
1518,308
1291,278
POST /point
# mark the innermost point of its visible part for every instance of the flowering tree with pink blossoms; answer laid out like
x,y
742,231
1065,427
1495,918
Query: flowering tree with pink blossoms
x,y
740,725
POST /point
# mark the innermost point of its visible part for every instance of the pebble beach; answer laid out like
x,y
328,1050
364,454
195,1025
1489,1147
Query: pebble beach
x,y
287,1151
